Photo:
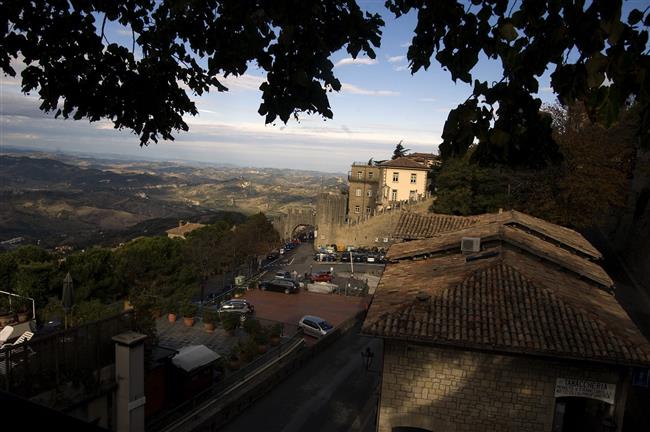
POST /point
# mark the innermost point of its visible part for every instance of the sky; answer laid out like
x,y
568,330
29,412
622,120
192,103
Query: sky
x,y
380,104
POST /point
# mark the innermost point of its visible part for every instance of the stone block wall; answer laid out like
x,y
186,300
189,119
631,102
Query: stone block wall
x,y
460,391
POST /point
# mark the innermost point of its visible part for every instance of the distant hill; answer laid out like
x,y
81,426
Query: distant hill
x,y
62,199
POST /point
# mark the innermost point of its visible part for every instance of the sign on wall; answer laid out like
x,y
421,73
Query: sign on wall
x,y
567,387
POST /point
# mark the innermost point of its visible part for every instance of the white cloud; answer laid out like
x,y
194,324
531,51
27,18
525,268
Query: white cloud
x,y
405,44
351,88
428,99
242,82
355,61
401,68
546,90
396,59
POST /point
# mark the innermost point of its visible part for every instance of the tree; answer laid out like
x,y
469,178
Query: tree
x,y
589,183
586,42
597,57
399,151
176,46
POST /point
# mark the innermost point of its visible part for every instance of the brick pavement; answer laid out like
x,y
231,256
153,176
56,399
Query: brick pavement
x,y
289,308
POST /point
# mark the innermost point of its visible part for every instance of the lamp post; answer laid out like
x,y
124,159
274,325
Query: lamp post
x,y
67,297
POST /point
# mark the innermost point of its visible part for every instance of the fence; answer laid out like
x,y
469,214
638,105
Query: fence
x,y
75,354
223,387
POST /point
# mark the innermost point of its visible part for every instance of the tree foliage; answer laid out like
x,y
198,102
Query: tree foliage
x,y
583,43
399,151
589,183
596,57
79,73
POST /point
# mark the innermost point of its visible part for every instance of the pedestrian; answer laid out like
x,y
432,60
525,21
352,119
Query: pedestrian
x,y
332,270
294,275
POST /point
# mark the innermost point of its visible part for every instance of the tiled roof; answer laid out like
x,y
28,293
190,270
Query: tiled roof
x,y
508,302
496,232
403,162
414,226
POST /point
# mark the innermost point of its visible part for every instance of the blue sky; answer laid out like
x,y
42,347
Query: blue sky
x,y
380,104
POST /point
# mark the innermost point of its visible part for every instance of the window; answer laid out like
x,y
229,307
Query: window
x,y
370,175
370,194
393,195
414,178
367,210
395,176
358,192
413,195
360,175
357,209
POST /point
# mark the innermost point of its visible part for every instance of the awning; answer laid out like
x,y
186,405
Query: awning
x,y
193,357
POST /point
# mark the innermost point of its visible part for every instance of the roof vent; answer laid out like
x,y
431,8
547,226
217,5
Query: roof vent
x,y
470,244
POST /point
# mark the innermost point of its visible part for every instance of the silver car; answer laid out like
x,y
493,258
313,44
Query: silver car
x,y
315,326
237,305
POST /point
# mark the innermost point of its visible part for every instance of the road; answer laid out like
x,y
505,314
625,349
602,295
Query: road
x,y
332,392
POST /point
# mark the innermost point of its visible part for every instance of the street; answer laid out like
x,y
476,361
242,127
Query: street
x,y
332,392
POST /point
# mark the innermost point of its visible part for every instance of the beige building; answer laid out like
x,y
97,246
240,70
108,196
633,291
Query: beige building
x,y
364,186
183,229
401,180
504,322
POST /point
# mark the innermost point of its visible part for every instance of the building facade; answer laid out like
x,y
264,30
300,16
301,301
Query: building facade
x,y
503,323
364,185
401,180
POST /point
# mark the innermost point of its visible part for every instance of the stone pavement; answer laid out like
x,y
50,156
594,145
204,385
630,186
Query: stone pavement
x,y
177,335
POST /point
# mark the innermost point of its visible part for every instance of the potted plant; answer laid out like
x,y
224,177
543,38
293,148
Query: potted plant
x,y
262,340
23,311
188,310
252,326
210,319
234,361
275,333
171,310
6,314
230,321
249,350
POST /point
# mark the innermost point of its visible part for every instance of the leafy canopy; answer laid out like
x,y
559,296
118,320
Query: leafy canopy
x,y
596,57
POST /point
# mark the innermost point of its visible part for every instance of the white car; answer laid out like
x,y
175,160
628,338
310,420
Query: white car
x,y
237,305
315,326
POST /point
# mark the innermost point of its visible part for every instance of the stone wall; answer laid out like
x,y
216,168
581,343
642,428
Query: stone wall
x,y
455,391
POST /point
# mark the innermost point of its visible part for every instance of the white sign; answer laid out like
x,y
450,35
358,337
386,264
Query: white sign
x,y
566,387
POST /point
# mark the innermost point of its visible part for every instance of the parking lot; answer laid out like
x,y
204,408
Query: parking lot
x,y
289,308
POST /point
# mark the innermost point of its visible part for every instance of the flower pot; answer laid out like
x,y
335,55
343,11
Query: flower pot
x,y
6,318
262,349
171,317
188,321
234,364
209,327
156,313
274,340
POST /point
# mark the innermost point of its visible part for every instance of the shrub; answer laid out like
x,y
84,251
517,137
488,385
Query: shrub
x,y
230,321
188,309
252,326
210,316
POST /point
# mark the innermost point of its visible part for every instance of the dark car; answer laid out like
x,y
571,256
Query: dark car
x,y
345,257
273,255
359,257
281,285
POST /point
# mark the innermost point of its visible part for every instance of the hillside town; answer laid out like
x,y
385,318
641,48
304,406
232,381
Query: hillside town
x,y
170,262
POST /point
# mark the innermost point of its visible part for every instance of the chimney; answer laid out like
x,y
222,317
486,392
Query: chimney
x,y
129,374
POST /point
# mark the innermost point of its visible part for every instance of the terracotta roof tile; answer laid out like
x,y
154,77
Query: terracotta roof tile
x,y
510,302
403,162
416,226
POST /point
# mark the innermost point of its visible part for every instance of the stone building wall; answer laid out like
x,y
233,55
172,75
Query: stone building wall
x,y
456,391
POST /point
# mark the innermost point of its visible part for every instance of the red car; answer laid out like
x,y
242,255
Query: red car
x,y
321,277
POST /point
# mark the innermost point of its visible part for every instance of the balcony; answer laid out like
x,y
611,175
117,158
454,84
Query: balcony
x,y
355,178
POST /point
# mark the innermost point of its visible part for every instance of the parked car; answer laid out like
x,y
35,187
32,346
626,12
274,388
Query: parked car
x,y
281,285
273,255
237,305
345,257
283,275
315,326
359,257
321,277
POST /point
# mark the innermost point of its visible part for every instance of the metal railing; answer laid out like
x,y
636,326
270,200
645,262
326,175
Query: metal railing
x,y
225,386
76,354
